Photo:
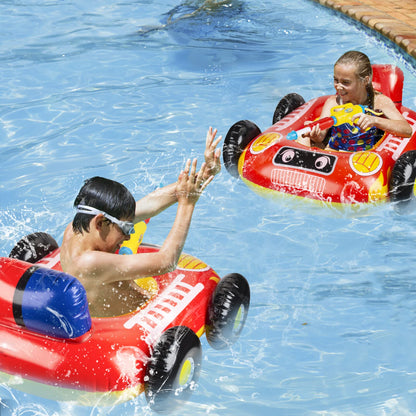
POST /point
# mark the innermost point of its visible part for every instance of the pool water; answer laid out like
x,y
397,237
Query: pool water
x,y
127,89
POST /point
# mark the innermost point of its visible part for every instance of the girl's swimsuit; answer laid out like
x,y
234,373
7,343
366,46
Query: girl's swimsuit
x,y
351,139
344,137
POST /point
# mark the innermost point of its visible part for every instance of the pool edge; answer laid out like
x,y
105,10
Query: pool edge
x,y
382,18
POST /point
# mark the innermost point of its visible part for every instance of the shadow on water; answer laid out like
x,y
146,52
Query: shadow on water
x,y
203,9
218,36
210,37
197,11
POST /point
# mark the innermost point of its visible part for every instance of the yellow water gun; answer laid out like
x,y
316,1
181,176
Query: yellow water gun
x,y
130,246
340,114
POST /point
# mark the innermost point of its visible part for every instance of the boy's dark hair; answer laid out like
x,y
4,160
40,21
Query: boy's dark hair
x,y
105,195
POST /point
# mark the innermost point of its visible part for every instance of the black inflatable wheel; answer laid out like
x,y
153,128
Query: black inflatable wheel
x,y
286,105
33,247
403,181
173,369
238,137
228,311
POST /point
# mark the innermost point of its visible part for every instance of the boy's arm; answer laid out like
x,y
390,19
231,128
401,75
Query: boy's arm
x,y
212,154
155,202
162,198
112,267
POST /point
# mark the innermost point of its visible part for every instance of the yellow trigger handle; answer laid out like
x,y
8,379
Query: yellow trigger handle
x,y
344,113
130,246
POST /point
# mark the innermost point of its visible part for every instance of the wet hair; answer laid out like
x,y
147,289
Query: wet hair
x,y
363,69
105,195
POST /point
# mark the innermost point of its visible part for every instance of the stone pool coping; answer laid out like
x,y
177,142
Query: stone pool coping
x,y
394,19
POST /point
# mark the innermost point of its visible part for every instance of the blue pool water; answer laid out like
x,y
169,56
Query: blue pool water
x,y
127,89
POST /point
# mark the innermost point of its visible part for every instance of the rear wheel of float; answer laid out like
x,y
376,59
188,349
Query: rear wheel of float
x,y
173,369
34,247
238,137
286,105
402,191
228,311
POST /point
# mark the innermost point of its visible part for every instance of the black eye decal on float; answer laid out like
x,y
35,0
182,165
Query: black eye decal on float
x,y
305,160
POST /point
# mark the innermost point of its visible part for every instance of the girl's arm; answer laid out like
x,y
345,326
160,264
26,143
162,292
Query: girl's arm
x,y
317,135
392,122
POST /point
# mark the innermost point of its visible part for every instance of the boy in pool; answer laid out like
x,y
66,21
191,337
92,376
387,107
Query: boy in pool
x,y
106,213
353,84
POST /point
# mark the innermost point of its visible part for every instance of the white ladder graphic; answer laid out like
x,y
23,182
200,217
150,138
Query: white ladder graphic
x,y
154,319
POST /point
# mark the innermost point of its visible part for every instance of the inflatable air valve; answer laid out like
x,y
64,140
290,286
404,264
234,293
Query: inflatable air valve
x,y
130,246
340,114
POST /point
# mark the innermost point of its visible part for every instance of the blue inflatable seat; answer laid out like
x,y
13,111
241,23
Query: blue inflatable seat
x,y
52,303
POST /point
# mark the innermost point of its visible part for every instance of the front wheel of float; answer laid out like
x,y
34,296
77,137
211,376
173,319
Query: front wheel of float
x,y
228,311
237,139
286,105
402,191
33,247
173,369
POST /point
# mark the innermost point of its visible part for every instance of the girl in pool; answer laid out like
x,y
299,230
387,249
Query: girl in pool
x,y
353,84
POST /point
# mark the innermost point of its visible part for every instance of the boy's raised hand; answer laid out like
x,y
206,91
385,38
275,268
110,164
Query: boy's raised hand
x,y
191,184
212,154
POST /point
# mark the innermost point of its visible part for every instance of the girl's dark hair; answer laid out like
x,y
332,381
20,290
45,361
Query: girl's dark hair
x,y
106,195
363,70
